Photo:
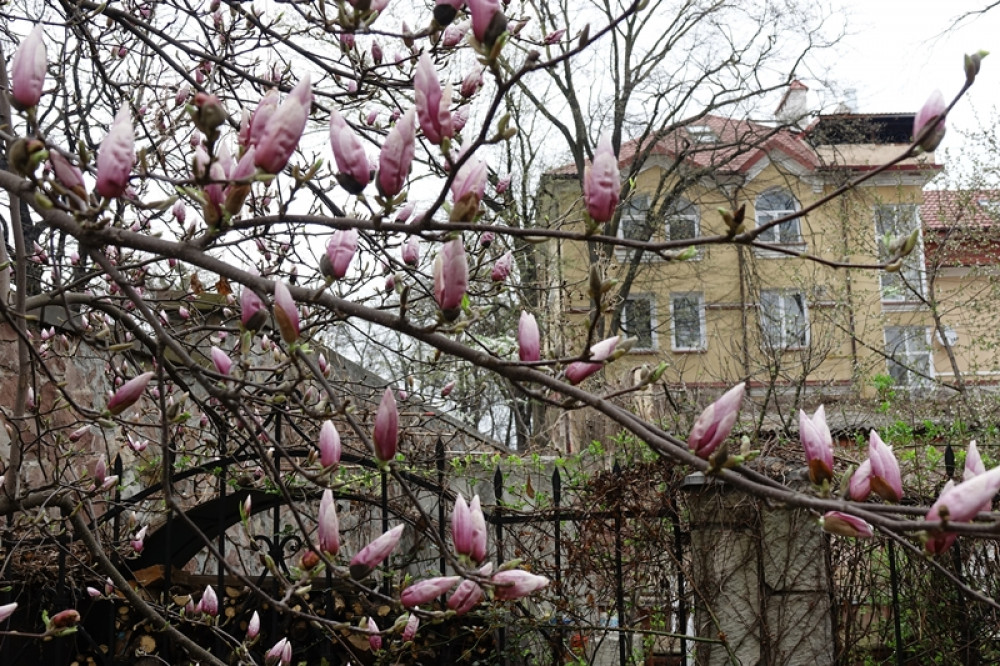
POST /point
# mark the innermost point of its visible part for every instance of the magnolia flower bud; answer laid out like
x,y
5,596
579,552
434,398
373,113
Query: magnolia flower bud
x,y
7,610
352,161
339,251
412,624
425,591
517,583
578,371
116,156
467,190
716,422
223,364
328,527
396,156
501,269
432,103
817,441
279,138
329,445
932,111
451,278
286,314
410,252
488,22
209,602
960,504
372,555
973,462
886,480
455,33
846,525
281,654
27,72
374,639
602,182
253,627
386,437
129,393
252,312
139,542
528,340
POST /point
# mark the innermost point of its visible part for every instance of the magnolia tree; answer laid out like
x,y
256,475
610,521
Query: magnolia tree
x,y
203,197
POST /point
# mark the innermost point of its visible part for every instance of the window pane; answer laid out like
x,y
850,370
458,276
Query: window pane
x,y
687,322
909,353
638,315
770,318
796,326
682,220
772,205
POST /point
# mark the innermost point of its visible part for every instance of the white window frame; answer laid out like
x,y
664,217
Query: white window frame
x,y
636,209
891,285
702,134
651,300
776,234
683,210
782,299
916,347
699,298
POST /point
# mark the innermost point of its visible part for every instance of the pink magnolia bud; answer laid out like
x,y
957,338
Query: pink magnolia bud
x,y
404,213
960,504
427,590
397,156
66,618
137,444
454,34
554,36
374,639
973,462
139,542
253,627
447,389
352,161
468,593
375,553
386,428
410,630
116,157
461,527
182,94
29,399
478,541
528,339
179,211
716,422
846,525
209,601
577,371
410,251
817,441
69,174
79,433
488,22
281,654
377,53
467,190
503,184
339,251
451,278
286,314
223,364
347,40
328,527
7,610
280,136
886,481
602,182
501,269
27,72
93,592
472,82
446,10
860,486
329,445
487,238
252,312
372,117
932,111
129,393
517,583
433,104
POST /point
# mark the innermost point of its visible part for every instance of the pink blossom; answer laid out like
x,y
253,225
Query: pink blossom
x,y
472,82
329,445
280,136
352,162
846,525
281,653
209,601
410,630
286,314
814,433
454,34
960,503
488,22
252,312
139,542
433,104
253,627
116,156
932,110
7,610
451,278
447,389
528,339
68,174
410,252
386,437
374,639
375,553
27,72
501,269
973,462
339,251
517,583
427,590
129,393
860,486
886,480
397,155
602,182
577,371
223,364
328,526
716,422
467,190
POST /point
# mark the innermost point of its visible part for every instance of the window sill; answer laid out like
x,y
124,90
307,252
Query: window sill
x,y
903,306
796,248
689,350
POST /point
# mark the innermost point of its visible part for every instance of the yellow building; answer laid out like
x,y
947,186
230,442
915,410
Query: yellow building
x,y
795,328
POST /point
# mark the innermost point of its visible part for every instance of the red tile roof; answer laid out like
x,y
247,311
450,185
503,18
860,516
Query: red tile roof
x,y
944,209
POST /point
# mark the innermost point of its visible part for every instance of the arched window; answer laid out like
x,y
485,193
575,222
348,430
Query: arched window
x,y
682,220
770,206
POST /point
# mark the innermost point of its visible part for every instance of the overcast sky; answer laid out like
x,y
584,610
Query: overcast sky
x,y
899,51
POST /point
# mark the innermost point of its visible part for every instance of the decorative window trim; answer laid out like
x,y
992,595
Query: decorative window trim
x,y
702,336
